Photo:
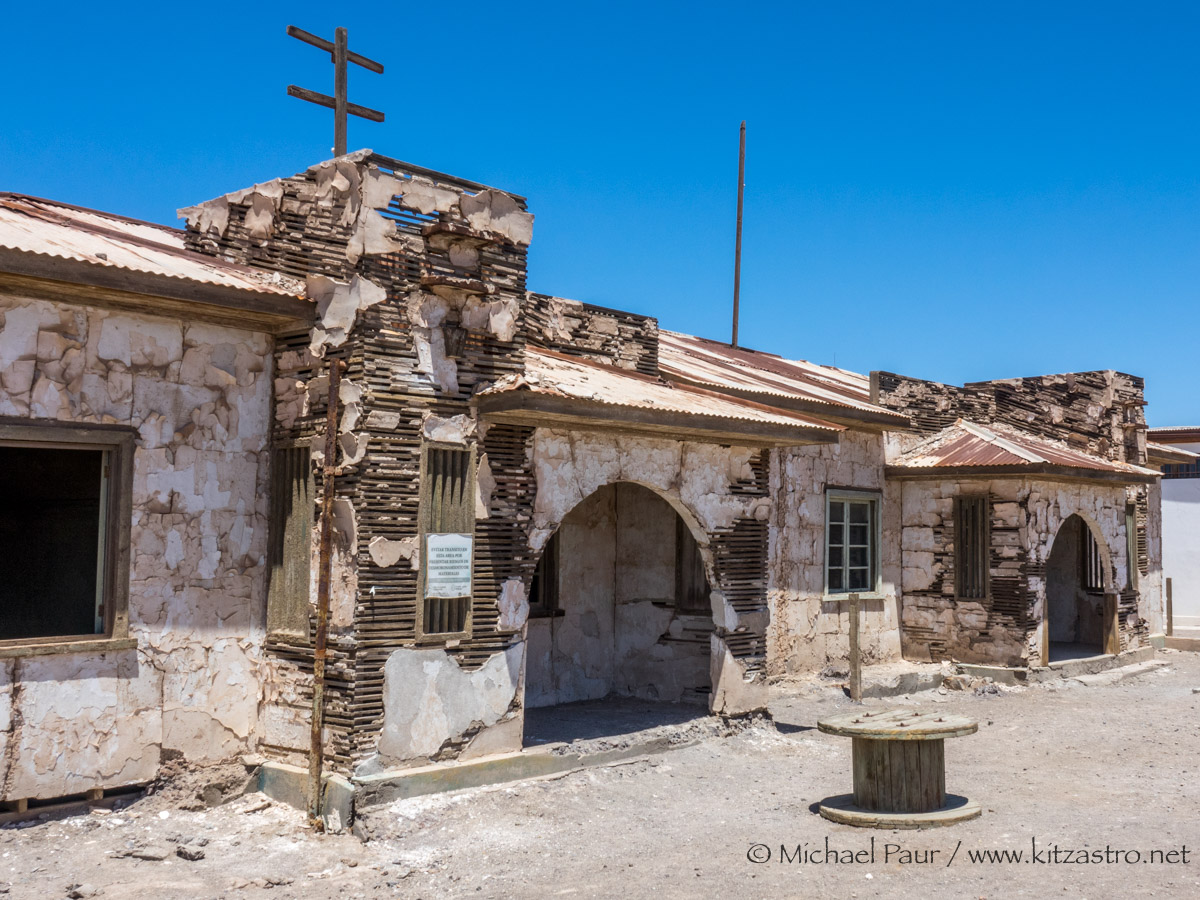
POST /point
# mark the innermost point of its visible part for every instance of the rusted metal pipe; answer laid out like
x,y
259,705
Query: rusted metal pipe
x,y
316,757
737,252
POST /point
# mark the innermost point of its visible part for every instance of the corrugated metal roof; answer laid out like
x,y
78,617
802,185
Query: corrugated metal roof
x,y
718,365
43,227
965,445
1169,452
557,374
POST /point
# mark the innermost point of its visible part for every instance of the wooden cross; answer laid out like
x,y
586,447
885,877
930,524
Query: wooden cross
x,y
340,55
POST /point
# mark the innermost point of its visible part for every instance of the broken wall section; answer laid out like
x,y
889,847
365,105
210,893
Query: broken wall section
x,y
1004,628
199,397
418,283
621,339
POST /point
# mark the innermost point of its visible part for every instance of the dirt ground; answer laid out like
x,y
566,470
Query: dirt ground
x,y
1100,772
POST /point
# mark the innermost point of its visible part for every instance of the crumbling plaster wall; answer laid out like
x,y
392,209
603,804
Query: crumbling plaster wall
x,y
1026,515
697,481
808,629
199,396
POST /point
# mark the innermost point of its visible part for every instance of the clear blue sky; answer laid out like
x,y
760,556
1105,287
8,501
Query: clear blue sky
x,y
956,191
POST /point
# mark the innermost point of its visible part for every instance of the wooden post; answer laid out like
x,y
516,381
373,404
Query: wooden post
x,y
339,91
855,652
1170,611
317,744
1112,626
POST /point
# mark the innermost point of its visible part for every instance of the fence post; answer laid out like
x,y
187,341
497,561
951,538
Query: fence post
x,y
855,651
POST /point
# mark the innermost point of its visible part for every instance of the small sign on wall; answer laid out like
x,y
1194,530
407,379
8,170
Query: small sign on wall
x,y
448,565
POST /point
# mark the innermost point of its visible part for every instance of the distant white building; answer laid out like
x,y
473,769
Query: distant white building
x,y
1177,452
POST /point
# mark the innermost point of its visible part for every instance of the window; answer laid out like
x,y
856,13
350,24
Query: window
x,y
289,555
1091,565
972,547
447,518
543,590
64,530
691,584
1182,470
1131,546
851,545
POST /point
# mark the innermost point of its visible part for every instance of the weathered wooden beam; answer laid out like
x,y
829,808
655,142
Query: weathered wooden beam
x,y
328,46
329,103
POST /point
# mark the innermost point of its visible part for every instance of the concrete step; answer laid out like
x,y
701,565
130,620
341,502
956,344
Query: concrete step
x,y
1114,676
1178,642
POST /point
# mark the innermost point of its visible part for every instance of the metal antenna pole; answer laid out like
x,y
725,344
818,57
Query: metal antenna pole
x,y
737,253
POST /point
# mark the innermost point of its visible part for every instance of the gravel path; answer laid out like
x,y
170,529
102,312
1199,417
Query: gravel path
x,y
1100,772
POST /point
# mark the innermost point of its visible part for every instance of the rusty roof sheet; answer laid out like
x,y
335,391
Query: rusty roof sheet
x,y
547,372
718,365
1169,453
966,444
46,228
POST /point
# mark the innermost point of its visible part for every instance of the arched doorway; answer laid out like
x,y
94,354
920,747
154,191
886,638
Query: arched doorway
x,y
1076,575
620,607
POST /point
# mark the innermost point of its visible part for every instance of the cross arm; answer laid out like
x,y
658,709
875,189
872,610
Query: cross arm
x,y
325,100
327,46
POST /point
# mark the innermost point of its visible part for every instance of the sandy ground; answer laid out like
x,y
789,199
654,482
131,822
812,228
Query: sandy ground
x,y
1095,770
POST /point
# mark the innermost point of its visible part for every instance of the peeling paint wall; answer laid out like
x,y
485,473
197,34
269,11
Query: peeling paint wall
x,y
809,630
199,396
418,282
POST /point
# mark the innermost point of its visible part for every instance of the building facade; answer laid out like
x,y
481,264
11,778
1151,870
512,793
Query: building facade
x,y
535,500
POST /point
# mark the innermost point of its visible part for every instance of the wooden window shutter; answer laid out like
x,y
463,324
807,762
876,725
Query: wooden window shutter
x,y
289,551
972,545
447,507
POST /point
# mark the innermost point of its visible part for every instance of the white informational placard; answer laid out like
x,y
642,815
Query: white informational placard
x,y
448,565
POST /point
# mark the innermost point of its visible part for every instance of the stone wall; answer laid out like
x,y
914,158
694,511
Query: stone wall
x,y
199,397
809,630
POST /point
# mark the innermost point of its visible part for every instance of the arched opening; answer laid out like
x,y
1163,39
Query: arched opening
x,y
1075,583
619,613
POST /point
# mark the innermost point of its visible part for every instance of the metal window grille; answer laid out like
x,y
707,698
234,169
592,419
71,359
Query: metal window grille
x,y
972,542
447,507
289,549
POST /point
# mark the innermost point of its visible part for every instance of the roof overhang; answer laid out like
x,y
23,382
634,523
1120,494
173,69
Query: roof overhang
x,y
865,419
75,281
1043,471
1160,454
547,410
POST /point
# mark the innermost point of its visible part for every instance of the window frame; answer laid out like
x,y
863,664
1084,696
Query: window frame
x,y
288,630
544,583
118,441
1131,546
875,530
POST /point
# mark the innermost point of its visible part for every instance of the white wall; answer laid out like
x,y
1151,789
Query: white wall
x,y
199,396
1181,544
